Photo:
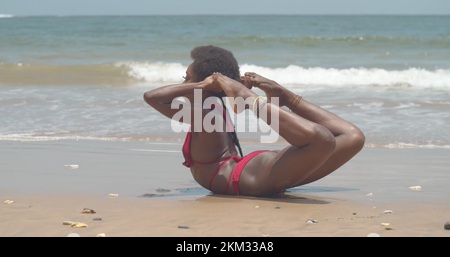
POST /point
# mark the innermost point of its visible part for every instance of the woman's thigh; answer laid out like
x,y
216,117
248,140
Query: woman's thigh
x,y
272,172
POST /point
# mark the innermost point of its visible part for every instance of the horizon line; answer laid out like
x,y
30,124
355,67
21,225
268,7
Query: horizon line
x,y
8,15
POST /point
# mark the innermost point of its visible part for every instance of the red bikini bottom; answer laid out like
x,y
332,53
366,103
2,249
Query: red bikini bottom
x,y
236,173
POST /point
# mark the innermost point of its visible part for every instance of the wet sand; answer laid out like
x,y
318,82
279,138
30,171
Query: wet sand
x,y
140,189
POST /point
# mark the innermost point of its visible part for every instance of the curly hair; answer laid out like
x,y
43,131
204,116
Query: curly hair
x,y
210,59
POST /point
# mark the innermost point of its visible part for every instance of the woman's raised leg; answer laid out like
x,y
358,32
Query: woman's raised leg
x,y
349,138
311,145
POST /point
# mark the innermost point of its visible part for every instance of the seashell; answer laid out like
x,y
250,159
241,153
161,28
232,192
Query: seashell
x,y
86,210
373,235
113,195
387,212
79,225
385,224
8,202
369,194
72,166
73,235
311,221
415,188
101,235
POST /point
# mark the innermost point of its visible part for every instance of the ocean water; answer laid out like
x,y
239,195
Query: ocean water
x,y
82,78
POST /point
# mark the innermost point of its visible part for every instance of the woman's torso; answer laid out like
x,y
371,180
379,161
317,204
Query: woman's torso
x,y
212,159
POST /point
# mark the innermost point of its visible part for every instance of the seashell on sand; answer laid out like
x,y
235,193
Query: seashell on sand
x,y
415,188
72,166
79,225
87,210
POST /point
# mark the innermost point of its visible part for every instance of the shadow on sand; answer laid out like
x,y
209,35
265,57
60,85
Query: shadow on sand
x,y
304,194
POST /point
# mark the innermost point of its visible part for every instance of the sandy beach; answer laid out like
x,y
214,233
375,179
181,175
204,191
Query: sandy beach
x,y
140,189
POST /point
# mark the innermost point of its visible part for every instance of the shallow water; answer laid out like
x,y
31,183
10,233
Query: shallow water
x,y
83,77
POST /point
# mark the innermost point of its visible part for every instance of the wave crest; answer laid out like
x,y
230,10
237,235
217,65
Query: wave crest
x,y
132,72
293,74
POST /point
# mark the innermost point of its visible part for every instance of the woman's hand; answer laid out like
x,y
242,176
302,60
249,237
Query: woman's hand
x,y
211,84
245,80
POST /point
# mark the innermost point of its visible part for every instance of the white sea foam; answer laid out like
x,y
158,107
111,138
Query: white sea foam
x,y
30,137
413,77
155,72
407,145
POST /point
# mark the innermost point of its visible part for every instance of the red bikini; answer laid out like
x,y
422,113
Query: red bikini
x,y
235,174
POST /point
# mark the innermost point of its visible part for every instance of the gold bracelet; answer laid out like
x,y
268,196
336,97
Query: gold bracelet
x,y
256,105
295,102
260,107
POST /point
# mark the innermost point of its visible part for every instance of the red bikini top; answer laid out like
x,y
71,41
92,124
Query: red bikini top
x,y
187,143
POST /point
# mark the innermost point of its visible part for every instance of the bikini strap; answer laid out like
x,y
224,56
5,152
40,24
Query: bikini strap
x,y
218,169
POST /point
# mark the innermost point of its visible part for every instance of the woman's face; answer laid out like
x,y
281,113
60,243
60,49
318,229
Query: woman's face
x,y
190,75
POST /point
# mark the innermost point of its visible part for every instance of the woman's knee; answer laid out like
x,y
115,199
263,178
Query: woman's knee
x,y
323,139
356,138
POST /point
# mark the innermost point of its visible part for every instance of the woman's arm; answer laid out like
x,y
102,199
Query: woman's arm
x,y
161,98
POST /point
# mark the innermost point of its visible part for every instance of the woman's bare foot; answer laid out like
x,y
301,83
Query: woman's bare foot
x,y
270,87
234,89
231,87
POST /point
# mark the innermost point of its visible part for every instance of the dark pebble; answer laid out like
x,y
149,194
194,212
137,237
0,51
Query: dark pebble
x,y
97,219
447,225
163,190
183,227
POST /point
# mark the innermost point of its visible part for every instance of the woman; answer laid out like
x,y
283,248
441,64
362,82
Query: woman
x,y
320,142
